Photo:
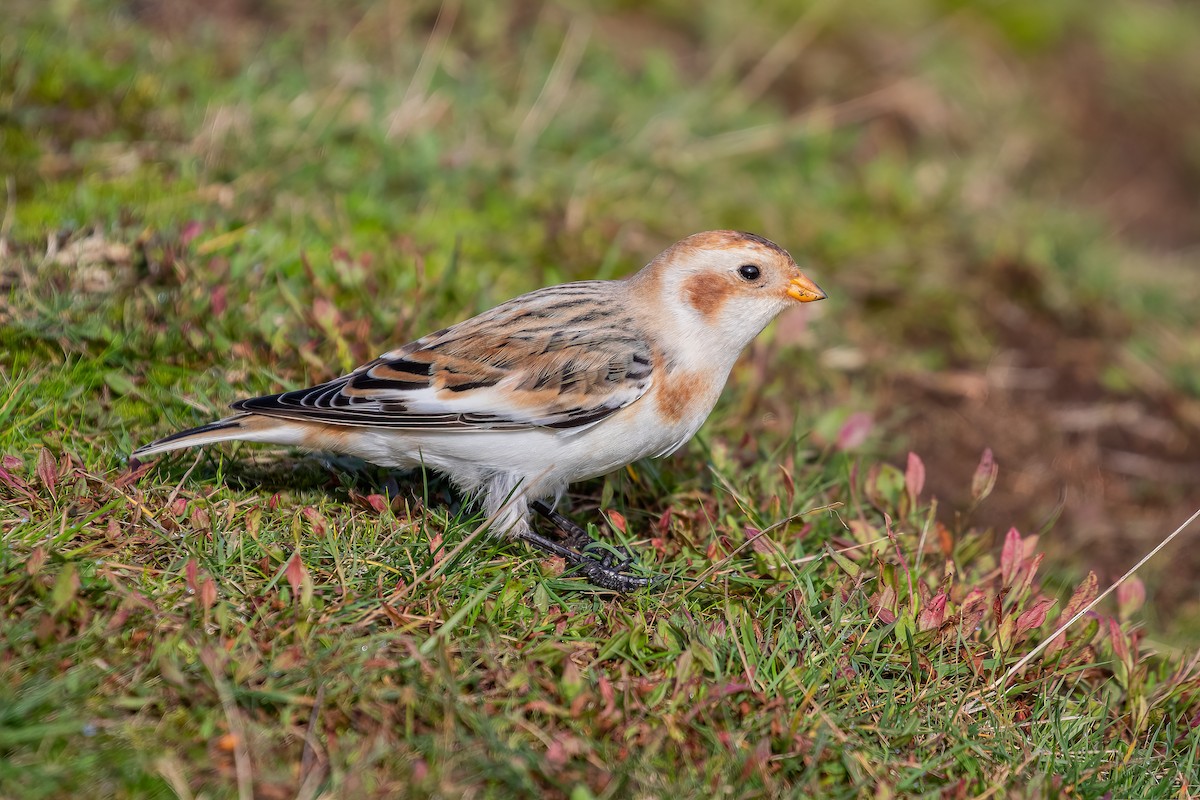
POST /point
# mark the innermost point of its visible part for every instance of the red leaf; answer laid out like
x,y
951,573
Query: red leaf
x,y
325,312
607,694
789,484
315,519
617,519
217,302
984,479
855,430
556,753
294,572
933,614
1119,642
190,231
16,484
758,542
47,470
435,548
208,593
1010,557
1084,594
132,475
377,502
190,571
37,558
1034,616
914,477
12,462
200,519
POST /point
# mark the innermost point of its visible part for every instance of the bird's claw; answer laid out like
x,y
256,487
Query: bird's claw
x,y
615,578
608,556
603,565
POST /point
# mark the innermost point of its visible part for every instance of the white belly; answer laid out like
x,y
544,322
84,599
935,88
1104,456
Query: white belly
x,y
545,460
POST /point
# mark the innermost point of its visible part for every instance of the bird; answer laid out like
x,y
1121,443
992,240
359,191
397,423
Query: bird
x,y
559,385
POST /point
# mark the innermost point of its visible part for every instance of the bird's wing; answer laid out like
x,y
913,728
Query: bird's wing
x,y
561,358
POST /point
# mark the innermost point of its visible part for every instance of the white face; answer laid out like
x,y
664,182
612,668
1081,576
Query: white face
x,y
725,287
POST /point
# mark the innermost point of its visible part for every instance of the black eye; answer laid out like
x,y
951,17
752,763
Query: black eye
x,y
749,272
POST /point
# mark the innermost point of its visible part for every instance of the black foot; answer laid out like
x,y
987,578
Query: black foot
x,y
594,560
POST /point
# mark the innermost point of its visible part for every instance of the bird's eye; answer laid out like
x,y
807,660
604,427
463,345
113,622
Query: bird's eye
x,y
749,272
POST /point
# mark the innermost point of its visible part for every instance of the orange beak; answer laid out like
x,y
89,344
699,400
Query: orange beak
x,y
802,289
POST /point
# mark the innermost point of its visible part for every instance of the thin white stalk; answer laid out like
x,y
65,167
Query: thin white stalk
x,y
1015,668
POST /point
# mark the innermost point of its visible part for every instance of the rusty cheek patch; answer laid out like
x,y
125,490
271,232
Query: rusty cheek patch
x,y
679,393
706,294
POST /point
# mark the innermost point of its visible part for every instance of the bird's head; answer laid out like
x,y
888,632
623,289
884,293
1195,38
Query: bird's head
x,y
723,287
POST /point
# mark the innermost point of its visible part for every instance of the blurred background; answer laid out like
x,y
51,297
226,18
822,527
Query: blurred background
x,y
1001,198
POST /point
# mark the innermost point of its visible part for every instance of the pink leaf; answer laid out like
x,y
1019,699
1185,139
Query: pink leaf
x,y
1030,568
36,560
984,479
315,519
435,548
294,572
13,482
208,593
1119,642
933,614
914,477
12,462
617,519
377,502
607,694
855,430
789,484
217,302
47,470
1010,557
1131,596
200,519
1083,594
190,231
190,571
1034,616
556,753
758,542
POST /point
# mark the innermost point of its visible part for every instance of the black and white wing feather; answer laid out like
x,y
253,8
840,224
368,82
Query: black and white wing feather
x,y
555,358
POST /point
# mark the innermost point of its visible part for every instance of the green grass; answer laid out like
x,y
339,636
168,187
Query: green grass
x,y
207,207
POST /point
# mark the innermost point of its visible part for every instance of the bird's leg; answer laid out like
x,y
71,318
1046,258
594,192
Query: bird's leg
x,y
573,533
605,571
578,538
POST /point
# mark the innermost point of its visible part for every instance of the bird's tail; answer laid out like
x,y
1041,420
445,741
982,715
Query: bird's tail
x,y
246,427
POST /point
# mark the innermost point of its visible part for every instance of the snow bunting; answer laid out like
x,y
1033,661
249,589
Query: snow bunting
x,y
555,386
